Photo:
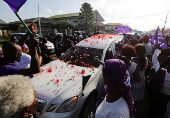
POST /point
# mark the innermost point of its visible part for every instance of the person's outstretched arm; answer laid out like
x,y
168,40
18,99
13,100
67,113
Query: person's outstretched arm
x,y
98,61
24,38
35,60
155,58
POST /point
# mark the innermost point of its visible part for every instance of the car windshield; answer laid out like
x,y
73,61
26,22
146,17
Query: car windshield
x,y
82,56
18,36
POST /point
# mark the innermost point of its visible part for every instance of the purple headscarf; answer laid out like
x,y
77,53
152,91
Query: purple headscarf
x,y
114,70
23,46
137,37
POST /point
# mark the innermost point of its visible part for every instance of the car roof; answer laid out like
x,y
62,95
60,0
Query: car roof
x,y
18,33
24,34
99,41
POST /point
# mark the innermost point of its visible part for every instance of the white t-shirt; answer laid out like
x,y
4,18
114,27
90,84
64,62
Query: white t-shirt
x,y
132,69
25,61
56,44
166,84
128,78
117,109
148,48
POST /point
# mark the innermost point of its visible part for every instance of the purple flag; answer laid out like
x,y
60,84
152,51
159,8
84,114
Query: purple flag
x,y
15,4
158,38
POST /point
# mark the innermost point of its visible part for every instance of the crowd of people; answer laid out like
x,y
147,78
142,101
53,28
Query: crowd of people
x,y
63,44
137,78
147,67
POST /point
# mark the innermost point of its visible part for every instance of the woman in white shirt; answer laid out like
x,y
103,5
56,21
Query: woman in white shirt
x,y
138,88
25,59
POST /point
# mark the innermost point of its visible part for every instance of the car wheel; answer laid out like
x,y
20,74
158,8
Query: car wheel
x,y
88,106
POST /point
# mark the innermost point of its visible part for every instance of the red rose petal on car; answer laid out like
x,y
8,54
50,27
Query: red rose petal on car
x,y
49,69
83,71
58,80
42,70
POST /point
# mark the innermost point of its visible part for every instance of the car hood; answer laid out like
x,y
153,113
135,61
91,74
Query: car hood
x,y
57,77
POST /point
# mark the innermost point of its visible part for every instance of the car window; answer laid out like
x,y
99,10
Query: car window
x,y
82,56
52,36
18,36
109,54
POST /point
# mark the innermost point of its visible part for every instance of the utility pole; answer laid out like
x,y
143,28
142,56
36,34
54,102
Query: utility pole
x,y
96,21
39,20
166,20
86,22
164,24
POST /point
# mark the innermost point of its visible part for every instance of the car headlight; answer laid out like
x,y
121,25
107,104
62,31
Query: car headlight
x,y
52,107
67,105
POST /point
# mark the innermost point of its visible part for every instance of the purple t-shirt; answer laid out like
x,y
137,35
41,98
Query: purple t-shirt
x,y
8,68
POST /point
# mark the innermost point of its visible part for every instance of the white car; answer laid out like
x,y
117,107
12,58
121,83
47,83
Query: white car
x,y
68,87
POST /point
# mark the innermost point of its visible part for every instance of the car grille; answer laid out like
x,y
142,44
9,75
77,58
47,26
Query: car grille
x,y
41,104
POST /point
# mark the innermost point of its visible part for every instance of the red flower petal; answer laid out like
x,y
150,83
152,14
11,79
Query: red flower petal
x,y
58,80
42,70
83,71
49,69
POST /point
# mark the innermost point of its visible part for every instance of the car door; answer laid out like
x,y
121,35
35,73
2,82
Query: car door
x,y
107,55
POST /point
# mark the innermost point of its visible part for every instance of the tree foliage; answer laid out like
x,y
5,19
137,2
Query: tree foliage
x,y
63,24
86,17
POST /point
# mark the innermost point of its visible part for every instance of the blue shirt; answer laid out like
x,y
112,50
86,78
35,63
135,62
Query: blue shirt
x,y
8,68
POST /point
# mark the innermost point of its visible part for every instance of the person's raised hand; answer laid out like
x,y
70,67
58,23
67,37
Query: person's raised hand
x,y
96,59
34,41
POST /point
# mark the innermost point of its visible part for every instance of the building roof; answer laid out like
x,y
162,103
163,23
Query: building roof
x,y
35,20
99,17
95,12
65,15
113,24
2,22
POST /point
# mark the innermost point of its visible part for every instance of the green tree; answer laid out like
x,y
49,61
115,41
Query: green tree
x,y
76,21
86,17
63,24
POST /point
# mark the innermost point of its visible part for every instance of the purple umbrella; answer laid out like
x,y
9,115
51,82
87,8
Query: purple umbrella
x,y
123,29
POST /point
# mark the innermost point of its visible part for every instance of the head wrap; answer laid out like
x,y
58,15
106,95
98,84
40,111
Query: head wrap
x,y
71,37
114,70
58,36
23,46
145,37
80,36
137,37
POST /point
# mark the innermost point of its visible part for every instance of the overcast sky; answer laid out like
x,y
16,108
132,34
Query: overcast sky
x,y
138,14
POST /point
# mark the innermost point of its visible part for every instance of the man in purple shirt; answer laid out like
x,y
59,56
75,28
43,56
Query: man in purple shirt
x,y
13,52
